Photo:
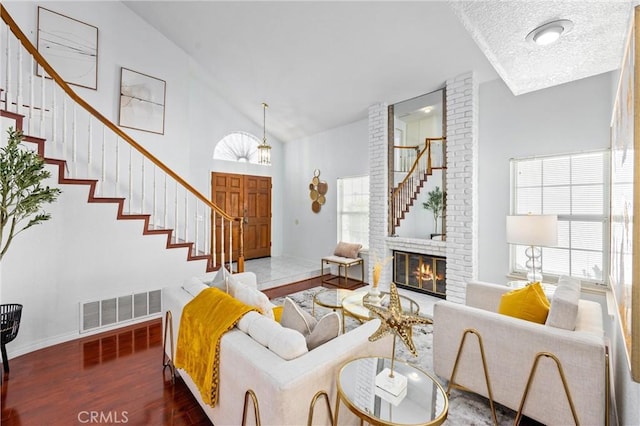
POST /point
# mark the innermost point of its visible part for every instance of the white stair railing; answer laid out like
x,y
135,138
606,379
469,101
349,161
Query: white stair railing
x,y
95,148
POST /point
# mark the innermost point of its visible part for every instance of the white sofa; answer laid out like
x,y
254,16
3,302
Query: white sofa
x,y
511,345
284,389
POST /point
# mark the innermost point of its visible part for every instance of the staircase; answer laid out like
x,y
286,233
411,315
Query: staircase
x,y
404,195
88,149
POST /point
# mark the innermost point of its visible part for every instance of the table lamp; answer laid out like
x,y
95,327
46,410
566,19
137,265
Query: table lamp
x,y
533,231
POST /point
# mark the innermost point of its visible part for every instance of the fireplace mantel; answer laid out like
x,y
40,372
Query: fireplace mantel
x,y
417,245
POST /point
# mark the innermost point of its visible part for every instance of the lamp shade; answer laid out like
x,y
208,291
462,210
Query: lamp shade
x,y
533,230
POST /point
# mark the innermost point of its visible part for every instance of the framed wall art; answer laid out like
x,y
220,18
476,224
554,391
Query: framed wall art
x,y
70,46
625,199
142,100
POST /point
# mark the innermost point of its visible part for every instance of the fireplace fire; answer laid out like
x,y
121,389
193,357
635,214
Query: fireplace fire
x,y
420,272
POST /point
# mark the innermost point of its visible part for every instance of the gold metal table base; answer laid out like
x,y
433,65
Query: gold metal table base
x,y
341,264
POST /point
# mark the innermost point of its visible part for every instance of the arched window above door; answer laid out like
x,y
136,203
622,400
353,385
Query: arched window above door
x,y
237,146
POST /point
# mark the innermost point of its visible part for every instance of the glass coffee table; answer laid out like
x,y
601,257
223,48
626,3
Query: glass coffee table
x,y
353,304
331,299
423,403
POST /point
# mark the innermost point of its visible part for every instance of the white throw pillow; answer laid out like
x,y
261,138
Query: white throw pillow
x,y
295,318
221,280
245,322
326,329
262,329
284,342
564,304
193,286
288,344
252,297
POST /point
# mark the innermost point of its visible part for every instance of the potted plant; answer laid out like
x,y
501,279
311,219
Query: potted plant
x,y
435,204
22,194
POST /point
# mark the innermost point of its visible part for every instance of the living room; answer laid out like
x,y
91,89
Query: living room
x,y
568,118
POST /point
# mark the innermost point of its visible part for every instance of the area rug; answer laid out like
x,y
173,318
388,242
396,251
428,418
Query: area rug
x,y
464,408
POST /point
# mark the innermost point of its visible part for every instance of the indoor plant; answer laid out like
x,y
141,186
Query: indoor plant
x,y
22,194
435,204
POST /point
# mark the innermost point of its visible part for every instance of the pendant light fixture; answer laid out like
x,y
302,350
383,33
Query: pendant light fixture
x,y
264,150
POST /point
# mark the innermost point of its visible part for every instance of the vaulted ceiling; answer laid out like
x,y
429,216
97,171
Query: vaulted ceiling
x,y
320,64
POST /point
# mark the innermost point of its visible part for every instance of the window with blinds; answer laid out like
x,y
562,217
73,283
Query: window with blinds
x,y
574,187
353,210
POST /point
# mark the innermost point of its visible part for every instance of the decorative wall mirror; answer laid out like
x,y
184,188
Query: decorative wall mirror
x,y
417,163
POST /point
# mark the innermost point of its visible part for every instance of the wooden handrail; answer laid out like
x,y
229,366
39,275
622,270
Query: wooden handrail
x,y
416,147
55,76
415,163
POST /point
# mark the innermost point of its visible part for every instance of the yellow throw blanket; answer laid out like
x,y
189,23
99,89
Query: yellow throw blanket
x,y
204,320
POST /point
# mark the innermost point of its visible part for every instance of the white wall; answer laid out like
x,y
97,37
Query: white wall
x,y
339,152
83,253
572,117
567,118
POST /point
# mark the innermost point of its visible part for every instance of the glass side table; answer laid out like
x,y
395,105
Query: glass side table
x,y
331,299
353,305
424,402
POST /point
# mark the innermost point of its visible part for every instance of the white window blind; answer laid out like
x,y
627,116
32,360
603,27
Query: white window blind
x,y
574,187
353,210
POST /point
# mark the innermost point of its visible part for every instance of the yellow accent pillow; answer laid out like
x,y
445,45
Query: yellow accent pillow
x,y
528,303
277,312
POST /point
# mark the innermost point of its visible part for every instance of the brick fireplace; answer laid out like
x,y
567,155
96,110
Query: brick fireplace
x,y
461,245
420,272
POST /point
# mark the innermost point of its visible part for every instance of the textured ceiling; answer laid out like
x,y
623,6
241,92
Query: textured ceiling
x,y
592,47
320,64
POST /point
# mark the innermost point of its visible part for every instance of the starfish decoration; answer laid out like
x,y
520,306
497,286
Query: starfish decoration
x,y
396,321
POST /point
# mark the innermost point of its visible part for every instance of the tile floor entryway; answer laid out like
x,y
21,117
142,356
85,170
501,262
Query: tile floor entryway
x,y
276,271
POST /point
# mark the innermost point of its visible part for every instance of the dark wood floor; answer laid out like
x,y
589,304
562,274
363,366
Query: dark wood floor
x,y
110,378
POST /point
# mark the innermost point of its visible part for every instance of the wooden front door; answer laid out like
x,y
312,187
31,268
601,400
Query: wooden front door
x,y
248,197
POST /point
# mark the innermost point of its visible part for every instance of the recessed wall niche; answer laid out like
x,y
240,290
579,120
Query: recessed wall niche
x,y
417,163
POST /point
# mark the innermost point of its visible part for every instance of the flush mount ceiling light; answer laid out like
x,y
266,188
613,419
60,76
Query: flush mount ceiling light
x,y
549,32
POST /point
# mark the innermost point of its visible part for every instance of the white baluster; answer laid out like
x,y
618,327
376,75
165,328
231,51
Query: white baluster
x,y
64,126
54,116
103,163
214,236
89,146
20,88
230,245
74,140
142,210
186,215
166,204
42,103
154,210
7,74
196,230
117,186
175,213
222,242
130,197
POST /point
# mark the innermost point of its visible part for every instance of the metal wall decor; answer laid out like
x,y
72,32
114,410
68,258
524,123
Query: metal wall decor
x,y
317,191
